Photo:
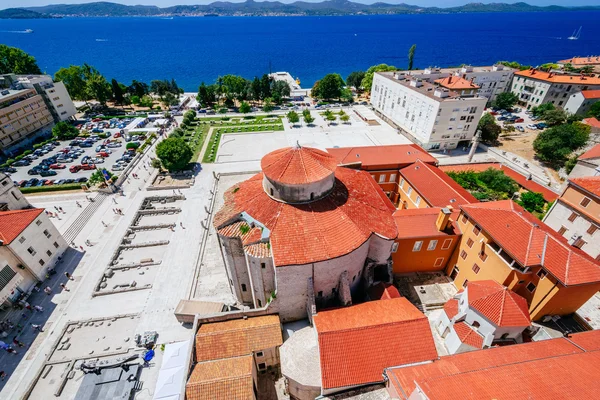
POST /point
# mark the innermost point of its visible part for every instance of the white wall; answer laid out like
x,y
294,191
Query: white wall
x,y
11,195
558,216
61,101
574,103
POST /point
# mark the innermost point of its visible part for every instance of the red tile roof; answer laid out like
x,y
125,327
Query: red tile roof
x,y
456,83
594,152
298,165
521,180
593,122
382,157
559,78
237,337
420,222
12,223
383,291
498,304
405,379
451,308
467,335
356,343
436,187
588,341
589,183
591,94
575,61
332,226
225,379
533,243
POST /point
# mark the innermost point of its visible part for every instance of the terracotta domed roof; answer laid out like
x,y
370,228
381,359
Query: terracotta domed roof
x,y
298,165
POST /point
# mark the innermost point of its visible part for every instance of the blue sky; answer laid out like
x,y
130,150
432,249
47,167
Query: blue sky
x,y
164,3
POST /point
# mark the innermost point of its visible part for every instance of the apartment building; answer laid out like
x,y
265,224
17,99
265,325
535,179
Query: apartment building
x,y
581,102
503,242
580,62
576,214
434,115
535,87
11,197
588,164
492,80
24,115
29,245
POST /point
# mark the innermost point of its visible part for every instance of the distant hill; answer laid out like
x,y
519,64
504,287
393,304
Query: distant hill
x,y
20,13
250,7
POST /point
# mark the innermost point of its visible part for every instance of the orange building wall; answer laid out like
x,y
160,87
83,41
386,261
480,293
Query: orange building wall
x,y
574,197
406,260
409,201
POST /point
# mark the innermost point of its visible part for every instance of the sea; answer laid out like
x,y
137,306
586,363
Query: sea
x,y
196,49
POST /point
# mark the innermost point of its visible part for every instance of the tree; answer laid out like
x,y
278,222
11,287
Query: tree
x,y
347,95
345,118
206,95
96,85
117,92
156,163
256,89
281,88
355,79
16,61
490,130
411,56
268,105
245,107
330,87
98,177
174,153
498,183
147,101
554,117
64,131
555,144
308,118
169,99
74,80
293,117
532,201
177,132
571,162
190,114
139,89
135,100
594,110
506,100
539,111
514,64
265,86
367,81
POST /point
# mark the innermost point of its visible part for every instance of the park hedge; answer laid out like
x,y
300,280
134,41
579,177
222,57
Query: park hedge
x,y
50,188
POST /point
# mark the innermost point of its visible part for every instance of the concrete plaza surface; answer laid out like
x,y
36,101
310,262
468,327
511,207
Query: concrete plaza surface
x,y
188,266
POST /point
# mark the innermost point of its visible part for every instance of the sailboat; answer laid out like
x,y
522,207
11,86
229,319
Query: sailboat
x,y
576,34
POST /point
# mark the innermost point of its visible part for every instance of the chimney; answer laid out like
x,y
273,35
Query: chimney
x,y
465,76
573,240
443,218
450,79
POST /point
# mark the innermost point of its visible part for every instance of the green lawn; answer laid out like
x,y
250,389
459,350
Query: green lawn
x,y
213,145
195,135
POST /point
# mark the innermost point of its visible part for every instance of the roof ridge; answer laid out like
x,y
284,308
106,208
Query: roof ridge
x,y
501,315
300,153
355,328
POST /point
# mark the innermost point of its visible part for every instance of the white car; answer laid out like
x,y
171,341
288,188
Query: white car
x,y
117,167
96,160
531,126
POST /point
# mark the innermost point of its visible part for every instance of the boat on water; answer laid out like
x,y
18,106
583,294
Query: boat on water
x,y
28,31
576,34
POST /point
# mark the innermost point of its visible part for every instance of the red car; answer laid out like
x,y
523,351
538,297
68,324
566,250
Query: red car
x,y
117,135
102,154
493,112
74,168
58,166
87,166
519,120
48,182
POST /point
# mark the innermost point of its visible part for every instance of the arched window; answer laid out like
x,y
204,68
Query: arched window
x,y
271,191
504,336
312,196
476,324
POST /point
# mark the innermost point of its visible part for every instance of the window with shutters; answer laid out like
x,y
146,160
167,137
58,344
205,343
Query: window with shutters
x,y
6,275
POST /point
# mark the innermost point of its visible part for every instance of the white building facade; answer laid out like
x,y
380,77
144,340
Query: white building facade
x,y
432,116
581,102
11,197
55,94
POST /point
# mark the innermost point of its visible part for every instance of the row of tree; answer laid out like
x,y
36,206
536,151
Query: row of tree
x,y
229,89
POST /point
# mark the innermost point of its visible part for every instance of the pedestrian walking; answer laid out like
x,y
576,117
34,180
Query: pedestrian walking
x,y
39,308
2,375
56,208
81,248
15,341
78,204
11,350
28,306
114,200
181,224
62,285
23,315
103,223
61,210
48,290
37,328
69,276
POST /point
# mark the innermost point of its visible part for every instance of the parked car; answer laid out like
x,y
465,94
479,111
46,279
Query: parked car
x,y
86,144
21,183
86,167
531,126
32,182
33,171
64,160
118,167
502,118
102,154
58,166
75,168
97,160
59,181
113,144
82,180
519,120
520,128
48,173
21,163
9,169
541,125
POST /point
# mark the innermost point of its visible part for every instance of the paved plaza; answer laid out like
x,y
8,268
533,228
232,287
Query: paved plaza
x,y
170,252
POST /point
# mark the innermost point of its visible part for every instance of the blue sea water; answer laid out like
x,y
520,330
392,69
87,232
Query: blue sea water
x,y
198,49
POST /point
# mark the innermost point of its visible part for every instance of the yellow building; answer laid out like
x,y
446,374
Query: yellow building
x,y
503,242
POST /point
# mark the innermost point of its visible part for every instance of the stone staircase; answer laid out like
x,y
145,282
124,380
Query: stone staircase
x,y
83,218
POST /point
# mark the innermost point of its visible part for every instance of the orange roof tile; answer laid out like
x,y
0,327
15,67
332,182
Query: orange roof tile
x,y
225,379
237,337
297,165
588,183
594,152
259,250
521,180
563,377
533,243
405,379
558,78
356,343
498,304
436,187
592,60
467,335
394,156
383,291
593,122
12,223
451,308
420,222
332,226
456,83
591,94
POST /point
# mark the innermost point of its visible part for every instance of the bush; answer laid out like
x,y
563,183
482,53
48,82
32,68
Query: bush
x,y
64,131
496,181
19,157
51,188
132,145
174,154
27,152
532,201
9,161
156,163
37,146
